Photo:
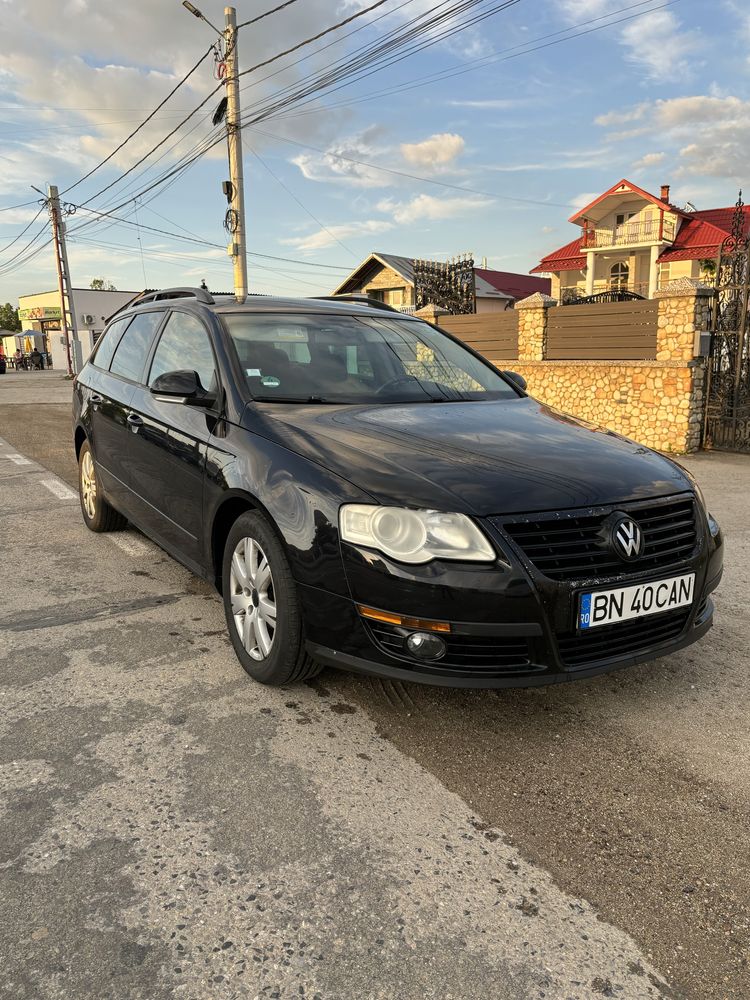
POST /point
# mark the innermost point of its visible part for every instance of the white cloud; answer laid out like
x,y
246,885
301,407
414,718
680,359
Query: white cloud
x,y
322,238
710,136
581,200
426,207
655,42
91,75
649,160
494,104
339,163
439,150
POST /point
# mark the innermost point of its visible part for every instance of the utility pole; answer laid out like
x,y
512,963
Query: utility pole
x,y
63,276
236,214
234,188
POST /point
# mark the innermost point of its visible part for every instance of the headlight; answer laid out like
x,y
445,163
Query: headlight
x,y
414,536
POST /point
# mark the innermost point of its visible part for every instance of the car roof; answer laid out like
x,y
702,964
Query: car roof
x,y
226,303
281,305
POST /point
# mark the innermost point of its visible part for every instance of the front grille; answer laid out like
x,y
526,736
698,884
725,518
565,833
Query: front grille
x,y
623,639
491,655
573,546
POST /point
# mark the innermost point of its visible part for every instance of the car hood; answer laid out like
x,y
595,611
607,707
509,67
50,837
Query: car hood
x,y
499,457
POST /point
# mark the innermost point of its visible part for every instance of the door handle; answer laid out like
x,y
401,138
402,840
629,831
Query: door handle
x,y
96,400
135,421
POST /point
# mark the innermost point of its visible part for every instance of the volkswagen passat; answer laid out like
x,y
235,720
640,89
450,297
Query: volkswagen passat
x,y
367,492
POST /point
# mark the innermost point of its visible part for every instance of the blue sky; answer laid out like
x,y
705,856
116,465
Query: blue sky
x,y
505,137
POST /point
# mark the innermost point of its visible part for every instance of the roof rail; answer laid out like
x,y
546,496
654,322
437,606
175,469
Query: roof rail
x,y
161,294
361,300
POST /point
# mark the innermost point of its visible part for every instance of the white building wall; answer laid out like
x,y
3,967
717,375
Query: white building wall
x,y
92,309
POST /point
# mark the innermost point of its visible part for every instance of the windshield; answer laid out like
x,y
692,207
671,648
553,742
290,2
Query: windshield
x,y
356,359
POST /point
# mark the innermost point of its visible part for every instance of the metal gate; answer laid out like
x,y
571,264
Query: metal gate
x,y
727,422
451,286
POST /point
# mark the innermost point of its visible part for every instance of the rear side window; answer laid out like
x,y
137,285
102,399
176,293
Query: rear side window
x,y
106,344
184,345
131,352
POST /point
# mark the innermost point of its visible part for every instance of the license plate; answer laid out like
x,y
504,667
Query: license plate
x,y
604,607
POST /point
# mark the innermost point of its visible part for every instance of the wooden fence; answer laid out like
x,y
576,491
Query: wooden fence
x,y
611,331
493,335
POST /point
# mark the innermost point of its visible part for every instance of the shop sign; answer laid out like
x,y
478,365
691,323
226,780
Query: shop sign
x,y
41,312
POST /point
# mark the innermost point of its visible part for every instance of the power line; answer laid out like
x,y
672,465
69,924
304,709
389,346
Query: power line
x,y
265,62
373,54
274,10
145,121
24,230
203,242
304,208
497,57
413,177
12,208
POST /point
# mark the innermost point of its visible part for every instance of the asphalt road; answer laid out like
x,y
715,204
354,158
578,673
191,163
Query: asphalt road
x,y
170,829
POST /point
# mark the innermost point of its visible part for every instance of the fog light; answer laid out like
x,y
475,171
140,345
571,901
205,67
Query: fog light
x,y
425,645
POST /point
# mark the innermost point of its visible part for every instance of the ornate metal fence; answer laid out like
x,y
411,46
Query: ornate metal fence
x,y
727,423
450,286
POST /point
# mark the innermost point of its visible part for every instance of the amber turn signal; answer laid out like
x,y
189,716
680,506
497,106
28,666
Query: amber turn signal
x,y
394,619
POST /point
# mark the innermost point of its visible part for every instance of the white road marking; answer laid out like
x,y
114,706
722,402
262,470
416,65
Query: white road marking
x,y
60,490
18,459
130,544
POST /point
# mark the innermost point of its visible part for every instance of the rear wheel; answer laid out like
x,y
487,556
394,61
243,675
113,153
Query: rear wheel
x,y
261,604
98,515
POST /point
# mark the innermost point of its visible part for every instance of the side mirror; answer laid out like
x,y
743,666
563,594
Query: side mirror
x,y
515,377
181,387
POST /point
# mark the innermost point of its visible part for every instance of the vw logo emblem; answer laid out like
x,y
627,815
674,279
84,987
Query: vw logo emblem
x,y
627,538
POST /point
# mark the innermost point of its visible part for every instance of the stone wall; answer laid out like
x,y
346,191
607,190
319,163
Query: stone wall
x,y
658,403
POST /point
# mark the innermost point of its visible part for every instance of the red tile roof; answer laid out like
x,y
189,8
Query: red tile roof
x,y
517,285
567,258
699,236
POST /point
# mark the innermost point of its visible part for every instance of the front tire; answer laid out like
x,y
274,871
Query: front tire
x,y
98,515
261,604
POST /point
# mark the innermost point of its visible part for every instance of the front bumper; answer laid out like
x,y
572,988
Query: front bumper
x,y
536,676
511,625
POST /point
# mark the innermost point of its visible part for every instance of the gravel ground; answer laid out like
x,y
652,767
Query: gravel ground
x,y
187,833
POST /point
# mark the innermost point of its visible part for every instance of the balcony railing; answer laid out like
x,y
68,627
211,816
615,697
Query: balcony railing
x,y
572,293
628,234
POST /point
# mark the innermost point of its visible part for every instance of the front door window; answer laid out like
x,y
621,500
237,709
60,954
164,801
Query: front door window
x,y
619,274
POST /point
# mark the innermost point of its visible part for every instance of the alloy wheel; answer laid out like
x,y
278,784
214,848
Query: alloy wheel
x,y
253,598
88,485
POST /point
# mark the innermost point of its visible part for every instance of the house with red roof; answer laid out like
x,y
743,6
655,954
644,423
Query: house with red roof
x,y
634,241
390,279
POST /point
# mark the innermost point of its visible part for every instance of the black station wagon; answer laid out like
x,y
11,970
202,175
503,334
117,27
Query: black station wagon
x,y
367,492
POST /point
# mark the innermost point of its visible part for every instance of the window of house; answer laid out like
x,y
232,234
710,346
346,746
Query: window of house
x,y
131,352
623,218
619,274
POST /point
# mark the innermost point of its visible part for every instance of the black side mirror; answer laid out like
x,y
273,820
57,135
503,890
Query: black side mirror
x,y
518,379
181,387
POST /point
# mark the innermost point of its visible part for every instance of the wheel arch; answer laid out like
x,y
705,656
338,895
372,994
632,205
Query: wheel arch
x,y
231,507
79,436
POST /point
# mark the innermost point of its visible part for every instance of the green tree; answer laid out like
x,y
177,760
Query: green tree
x,y
100,285
9,318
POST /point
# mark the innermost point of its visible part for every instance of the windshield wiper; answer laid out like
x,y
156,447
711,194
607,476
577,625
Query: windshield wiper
x,y
291,399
